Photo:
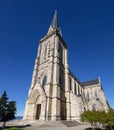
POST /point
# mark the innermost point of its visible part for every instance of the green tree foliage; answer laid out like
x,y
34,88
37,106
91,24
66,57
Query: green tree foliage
x,y
7,109
110,119
91,117
99,118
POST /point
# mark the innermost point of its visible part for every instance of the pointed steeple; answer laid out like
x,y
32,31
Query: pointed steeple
x,y
54,25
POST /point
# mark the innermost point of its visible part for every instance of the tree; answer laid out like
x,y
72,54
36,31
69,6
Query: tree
x,y
110,119
7,109
95,118
99,118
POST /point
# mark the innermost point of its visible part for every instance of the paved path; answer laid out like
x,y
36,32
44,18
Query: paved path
x,y
48,125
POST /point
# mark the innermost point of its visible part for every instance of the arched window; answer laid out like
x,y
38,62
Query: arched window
x,y
44,81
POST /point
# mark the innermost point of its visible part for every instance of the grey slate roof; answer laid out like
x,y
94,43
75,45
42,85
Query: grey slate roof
x,y
90,82
70,73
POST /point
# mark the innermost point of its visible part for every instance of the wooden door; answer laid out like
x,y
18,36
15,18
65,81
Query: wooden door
x,y
38,111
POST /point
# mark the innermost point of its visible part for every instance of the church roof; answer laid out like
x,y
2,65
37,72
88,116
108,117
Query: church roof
x,y
91,82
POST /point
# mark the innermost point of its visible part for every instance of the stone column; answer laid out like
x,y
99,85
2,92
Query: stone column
x,y
56,87
66,72
67,92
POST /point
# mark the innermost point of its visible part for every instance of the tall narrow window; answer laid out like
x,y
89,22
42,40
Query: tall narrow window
x,y
95,94
87,96
75,89
61,55
81,90
61,77
60,50
44,81
45,53
49,50
78,90
59,47
70,84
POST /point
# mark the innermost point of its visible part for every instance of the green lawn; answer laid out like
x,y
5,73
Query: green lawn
x,y
12,128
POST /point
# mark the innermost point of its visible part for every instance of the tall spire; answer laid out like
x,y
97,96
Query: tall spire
x,y
54,25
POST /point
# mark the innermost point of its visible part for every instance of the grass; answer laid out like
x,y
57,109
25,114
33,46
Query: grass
x,y
12,128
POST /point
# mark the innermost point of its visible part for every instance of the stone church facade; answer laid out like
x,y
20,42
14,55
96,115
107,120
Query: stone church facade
x,y
55,92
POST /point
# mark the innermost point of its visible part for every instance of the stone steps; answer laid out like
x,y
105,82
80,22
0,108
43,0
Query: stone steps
x,y
71,123
61,123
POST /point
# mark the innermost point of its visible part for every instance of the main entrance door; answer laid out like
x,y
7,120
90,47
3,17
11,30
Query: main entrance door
x,y
38,111
63,111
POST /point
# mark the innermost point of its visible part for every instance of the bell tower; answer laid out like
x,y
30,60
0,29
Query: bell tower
x,y
46,97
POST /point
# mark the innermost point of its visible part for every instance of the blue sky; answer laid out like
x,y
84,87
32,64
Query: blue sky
x,y
87,27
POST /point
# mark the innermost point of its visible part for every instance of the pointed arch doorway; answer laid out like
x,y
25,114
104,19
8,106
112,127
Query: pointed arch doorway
x,y
37,103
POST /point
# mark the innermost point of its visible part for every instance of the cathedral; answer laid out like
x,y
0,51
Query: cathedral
x,y
55,92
